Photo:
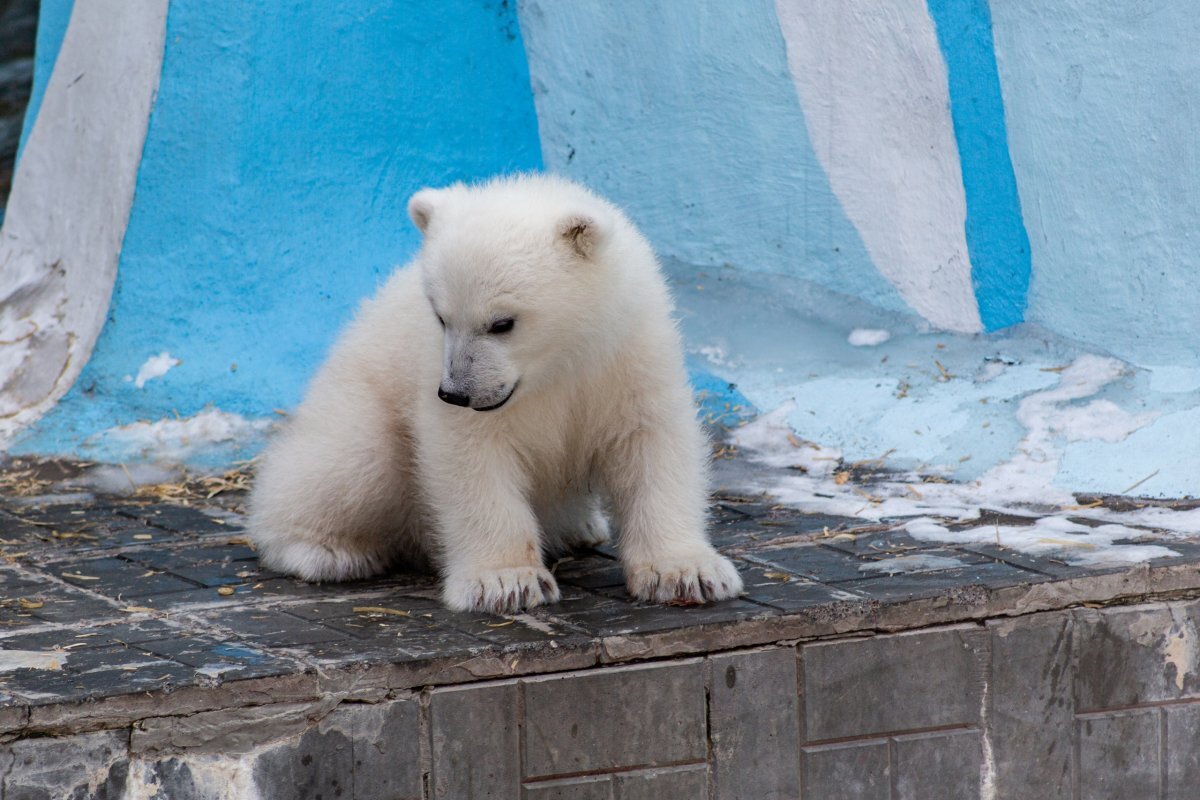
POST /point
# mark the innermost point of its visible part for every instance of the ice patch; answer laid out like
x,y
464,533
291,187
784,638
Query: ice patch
x,y
914,563
217,671
155,367
868,337
177,440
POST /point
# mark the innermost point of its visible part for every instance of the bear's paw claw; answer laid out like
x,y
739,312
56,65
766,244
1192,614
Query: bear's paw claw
x,y
683,581
500,591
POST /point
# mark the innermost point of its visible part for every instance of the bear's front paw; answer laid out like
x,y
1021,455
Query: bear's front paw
x,y
704,578
500,591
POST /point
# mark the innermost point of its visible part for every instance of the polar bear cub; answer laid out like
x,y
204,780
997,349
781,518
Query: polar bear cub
x,y
519,380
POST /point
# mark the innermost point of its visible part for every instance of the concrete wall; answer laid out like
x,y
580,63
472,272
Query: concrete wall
x,y
1085,703
964,166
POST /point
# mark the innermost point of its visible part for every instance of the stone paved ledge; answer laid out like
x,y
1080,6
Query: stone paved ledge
x,y
150,628
143,597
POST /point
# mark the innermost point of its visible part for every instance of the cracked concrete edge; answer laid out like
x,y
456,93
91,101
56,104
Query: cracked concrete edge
x,y
231,731
1142,584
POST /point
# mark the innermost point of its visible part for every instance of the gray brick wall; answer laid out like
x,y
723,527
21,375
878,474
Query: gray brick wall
x,y
1081,704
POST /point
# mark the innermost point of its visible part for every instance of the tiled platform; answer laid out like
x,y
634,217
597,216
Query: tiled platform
x,y
149,631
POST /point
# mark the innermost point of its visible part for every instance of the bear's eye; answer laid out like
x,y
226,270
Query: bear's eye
x,y
502,325
441,321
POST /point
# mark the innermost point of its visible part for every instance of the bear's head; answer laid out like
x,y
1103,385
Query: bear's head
x,y
523,276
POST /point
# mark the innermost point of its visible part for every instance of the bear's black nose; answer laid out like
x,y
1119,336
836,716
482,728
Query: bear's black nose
x,y
453,398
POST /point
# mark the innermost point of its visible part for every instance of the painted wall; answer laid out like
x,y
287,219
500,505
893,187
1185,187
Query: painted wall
x,y
1103,103
999,188
282,148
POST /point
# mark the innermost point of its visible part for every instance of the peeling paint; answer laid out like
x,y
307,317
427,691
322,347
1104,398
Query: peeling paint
x,y
155,367
1181,649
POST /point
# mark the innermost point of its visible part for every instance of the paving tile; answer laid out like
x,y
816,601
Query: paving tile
x,y
1045,565
813,561
28,598
271,627
216,659
199,598
118,578
893,588
788,592
179,519
100,672
610,613
373,637
534,628
124,632
875,542
589,572
659,720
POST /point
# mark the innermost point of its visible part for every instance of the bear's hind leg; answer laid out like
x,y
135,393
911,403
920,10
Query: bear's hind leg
x,y
575,521
332,501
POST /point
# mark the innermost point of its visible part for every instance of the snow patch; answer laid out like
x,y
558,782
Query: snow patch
x,y
769,440
119,478
155,367
176,440
1023,486
1057,536
868,337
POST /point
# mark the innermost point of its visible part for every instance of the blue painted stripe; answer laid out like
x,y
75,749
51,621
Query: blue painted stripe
x,y
282,148
718,401
995,230
53,18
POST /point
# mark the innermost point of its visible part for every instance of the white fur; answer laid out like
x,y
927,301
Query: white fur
x,y
374,469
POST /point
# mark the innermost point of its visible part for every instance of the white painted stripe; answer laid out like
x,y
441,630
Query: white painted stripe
x,y
70,202
872,82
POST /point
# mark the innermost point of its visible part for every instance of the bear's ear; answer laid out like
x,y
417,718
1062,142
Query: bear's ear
x,y
420,208
581,232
